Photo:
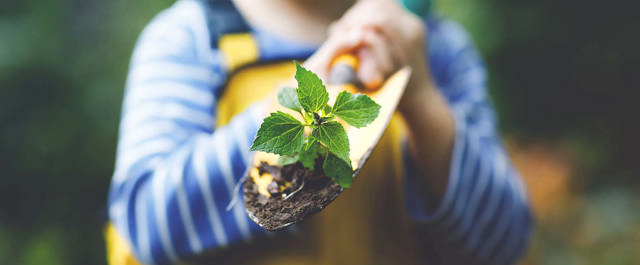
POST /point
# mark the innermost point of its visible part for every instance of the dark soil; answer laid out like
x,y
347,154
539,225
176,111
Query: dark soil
x,y
275,212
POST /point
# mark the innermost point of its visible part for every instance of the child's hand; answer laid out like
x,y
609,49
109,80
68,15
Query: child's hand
x,y
337,44
385,37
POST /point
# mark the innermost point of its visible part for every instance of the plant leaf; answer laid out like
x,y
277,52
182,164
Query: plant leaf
x,y
333,135
280,133
308,118
326,110
339,170
309,153
357,110
311,92
288,97
287,160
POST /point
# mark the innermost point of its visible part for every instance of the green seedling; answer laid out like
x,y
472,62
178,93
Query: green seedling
x,y
284,135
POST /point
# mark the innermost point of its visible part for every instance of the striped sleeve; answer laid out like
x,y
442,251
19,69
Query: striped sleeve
x,y
484,217
175,172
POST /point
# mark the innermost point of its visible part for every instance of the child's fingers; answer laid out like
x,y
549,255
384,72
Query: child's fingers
x,y
385,16
376,61
374,14
337,44
378,57
386,60
334,27
369,71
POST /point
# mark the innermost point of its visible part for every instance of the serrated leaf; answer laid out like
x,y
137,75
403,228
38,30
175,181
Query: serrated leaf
x,y
338,170
309,153
287,160
288,98
280,133
322,151
357,110
326,110
312,94
333,135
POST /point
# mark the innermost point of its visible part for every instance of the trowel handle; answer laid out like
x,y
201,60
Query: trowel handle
x,y
346,59
344,71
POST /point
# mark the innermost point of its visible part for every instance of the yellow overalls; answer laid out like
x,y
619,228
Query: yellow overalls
x,y
367,224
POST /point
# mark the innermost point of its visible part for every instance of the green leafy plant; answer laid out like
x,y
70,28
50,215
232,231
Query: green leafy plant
x,y
282,134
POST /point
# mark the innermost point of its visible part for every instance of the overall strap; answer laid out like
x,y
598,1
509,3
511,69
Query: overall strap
x,y
230,33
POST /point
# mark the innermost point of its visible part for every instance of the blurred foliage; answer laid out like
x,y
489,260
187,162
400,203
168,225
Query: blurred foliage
x,y
62,71
563,75
562,69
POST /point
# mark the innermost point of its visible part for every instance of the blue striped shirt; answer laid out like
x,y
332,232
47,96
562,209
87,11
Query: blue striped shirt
x,y
176,170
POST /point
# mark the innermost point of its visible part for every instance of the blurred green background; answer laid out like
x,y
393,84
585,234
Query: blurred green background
x,y
564,76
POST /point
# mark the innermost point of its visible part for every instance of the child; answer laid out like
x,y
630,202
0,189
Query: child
x,y
180,153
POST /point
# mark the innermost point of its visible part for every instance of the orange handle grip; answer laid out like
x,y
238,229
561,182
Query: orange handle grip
x,y
346,59
344,71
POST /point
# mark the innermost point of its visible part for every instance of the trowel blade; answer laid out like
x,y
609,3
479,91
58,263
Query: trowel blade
x,y
362,141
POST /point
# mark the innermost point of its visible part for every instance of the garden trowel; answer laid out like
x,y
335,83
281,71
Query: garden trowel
x,y
362,141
